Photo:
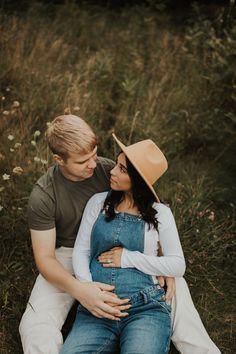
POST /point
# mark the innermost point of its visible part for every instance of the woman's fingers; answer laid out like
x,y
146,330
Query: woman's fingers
x,y
109,265
170,282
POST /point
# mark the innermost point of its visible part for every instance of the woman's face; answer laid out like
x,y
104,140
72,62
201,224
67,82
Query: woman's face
x,y
120,180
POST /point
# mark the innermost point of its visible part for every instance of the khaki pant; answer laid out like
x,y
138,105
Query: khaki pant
x,y
48,307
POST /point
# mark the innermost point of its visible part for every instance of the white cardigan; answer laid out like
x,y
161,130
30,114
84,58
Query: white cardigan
x,y
172,264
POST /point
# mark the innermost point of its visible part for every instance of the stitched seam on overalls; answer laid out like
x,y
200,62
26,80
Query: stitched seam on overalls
x,y
168,342
169,312
104,345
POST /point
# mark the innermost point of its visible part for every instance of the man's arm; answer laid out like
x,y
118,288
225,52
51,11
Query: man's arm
x,y
93,296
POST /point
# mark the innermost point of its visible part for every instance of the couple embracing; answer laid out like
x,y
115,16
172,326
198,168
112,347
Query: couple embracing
x,y
96,230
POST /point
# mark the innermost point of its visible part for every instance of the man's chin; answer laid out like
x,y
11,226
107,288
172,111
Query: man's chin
x,y
89,174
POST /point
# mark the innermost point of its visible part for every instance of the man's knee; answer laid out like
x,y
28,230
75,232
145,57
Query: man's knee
x,y
38,334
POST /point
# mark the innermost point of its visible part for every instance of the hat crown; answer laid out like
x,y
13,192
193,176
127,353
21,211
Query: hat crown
x,y
149,159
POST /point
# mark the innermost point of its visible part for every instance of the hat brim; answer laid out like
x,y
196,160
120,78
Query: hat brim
x,y
126,152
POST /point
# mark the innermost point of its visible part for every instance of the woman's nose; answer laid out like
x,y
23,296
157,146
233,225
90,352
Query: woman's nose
x,y
112,172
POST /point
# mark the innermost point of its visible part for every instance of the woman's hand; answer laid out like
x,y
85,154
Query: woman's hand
x,y
111,258
171,289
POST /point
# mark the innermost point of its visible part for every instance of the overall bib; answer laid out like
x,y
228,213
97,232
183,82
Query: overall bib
x,y
147,328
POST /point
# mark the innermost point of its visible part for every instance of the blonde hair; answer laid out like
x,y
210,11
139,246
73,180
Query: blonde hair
x,y
70,134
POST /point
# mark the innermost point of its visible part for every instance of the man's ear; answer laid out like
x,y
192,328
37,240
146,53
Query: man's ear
x,y
58,159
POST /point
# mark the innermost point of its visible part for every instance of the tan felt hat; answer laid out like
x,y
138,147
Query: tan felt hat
x,y
148,160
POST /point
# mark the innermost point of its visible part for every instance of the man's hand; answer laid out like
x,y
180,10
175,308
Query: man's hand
x,y
96,297
111,258
170,283
101,302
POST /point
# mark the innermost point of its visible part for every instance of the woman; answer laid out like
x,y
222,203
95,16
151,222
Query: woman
x,y
117,244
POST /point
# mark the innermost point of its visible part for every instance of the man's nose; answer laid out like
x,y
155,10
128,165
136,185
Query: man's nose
x,y
92,163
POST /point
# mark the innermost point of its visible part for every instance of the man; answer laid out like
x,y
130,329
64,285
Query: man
x,y
55,209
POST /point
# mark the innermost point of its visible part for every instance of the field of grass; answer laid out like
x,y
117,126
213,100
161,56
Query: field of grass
x,y
144,72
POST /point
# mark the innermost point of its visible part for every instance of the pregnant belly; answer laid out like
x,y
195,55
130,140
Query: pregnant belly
x,y
127,281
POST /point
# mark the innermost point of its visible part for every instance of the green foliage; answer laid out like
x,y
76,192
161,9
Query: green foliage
x,y
138,73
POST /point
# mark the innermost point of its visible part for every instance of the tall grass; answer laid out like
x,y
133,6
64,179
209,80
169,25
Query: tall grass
x,y
134,71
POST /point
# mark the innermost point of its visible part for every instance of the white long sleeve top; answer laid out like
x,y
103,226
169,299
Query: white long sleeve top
x,y
172,264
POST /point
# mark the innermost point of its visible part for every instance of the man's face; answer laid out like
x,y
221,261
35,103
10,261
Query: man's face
x,y
78,167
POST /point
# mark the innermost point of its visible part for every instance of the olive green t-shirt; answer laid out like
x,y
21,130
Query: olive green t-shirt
x,y
58,202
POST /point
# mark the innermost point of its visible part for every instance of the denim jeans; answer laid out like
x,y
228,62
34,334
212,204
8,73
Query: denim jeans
x,y
146,330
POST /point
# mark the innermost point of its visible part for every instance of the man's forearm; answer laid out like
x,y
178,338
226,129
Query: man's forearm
x,y
54,272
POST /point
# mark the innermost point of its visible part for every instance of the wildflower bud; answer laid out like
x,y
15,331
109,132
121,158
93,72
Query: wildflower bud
x,y
2,157
6,113
36,159
37,133
3,98
33,142
17,170
8,89
12,150
16,104
5,177
67,110
10,137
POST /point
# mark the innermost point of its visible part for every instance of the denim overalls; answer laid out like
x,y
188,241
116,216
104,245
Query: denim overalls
x,y
147,328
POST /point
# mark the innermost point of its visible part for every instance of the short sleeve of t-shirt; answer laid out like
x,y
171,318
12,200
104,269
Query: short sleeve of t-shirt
x,y
41,210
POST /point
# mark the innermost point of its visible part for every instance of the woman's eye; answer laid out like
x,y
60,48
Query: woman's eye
x,y
123,169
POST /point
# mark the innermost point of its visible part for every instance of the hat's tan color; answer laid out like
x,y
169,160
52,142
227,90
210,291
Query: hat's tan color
x,y
148,160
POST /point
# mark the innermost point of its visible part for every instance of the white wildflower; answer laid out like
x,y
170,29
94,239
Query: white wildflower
x,y
3,98
12,150
16,104
5,177
8,89
33,142
17,170
10,137
17,145
44,162
6,113
211,216
36,159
